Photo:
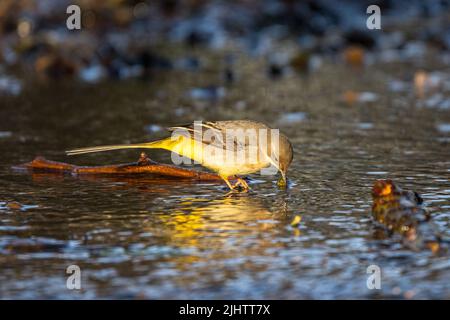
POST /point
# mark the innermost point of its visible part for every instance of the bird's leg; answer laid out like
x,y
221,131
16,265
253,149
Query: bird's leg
x,y
225,178
240,182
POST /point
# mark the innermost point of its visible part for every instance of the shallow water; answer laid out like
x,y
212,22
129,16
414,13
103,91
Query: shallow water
x,y
140,237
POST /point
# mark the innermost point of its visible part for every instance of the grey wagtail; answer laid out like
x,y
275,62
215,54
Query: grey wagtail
x,y
230,148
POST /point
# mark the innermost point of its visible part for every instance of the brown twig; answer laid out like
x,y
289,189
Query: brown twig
x,y
143,166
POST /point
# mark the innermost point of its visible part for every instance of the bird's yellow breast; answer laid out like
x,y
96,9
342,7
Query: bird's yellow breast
x,y
219,159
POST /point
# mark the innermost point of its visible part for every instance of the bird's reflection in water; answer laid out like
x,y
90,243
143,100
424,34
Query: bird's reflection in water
x,y
224,215
227,228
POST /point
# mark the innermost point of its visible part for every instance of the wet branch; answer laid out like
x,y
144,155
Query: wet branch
x,y
143,166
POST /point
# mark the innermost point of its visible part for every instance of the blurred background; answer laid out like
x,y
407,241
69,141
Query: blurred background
x,y
122,39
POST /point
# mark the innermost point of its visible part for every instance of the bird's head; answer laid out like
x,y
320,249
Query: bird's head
x,y
286,154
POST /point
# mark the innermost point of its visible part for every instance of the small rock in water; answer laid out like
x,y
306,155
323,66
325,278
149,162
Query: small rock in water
x,y
402,212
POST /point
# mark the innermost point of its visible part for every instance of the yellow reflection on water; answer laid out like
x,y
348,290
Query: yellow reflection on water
x,y
219,226
195,218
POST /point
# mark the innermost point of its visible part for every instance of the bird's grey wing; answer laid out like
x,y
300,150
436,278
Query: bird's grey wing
x,y
233,133
226,133
218,129
197,131
239,132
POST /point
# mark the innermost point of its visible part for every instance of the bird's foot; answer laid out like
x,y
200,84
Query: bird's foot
x,y
241,184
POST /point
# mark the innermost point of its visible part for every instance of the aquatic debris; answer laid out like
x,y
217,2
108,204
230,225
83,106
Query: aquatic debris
x,y
10,85
296,221
401,212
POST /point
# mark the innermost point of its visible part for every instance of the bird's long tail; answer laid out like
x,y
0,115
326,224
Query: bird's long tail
x,y
160,144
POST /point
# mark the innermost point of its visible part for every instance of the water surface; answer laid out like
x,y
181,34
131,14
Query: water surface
x,y
143,237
